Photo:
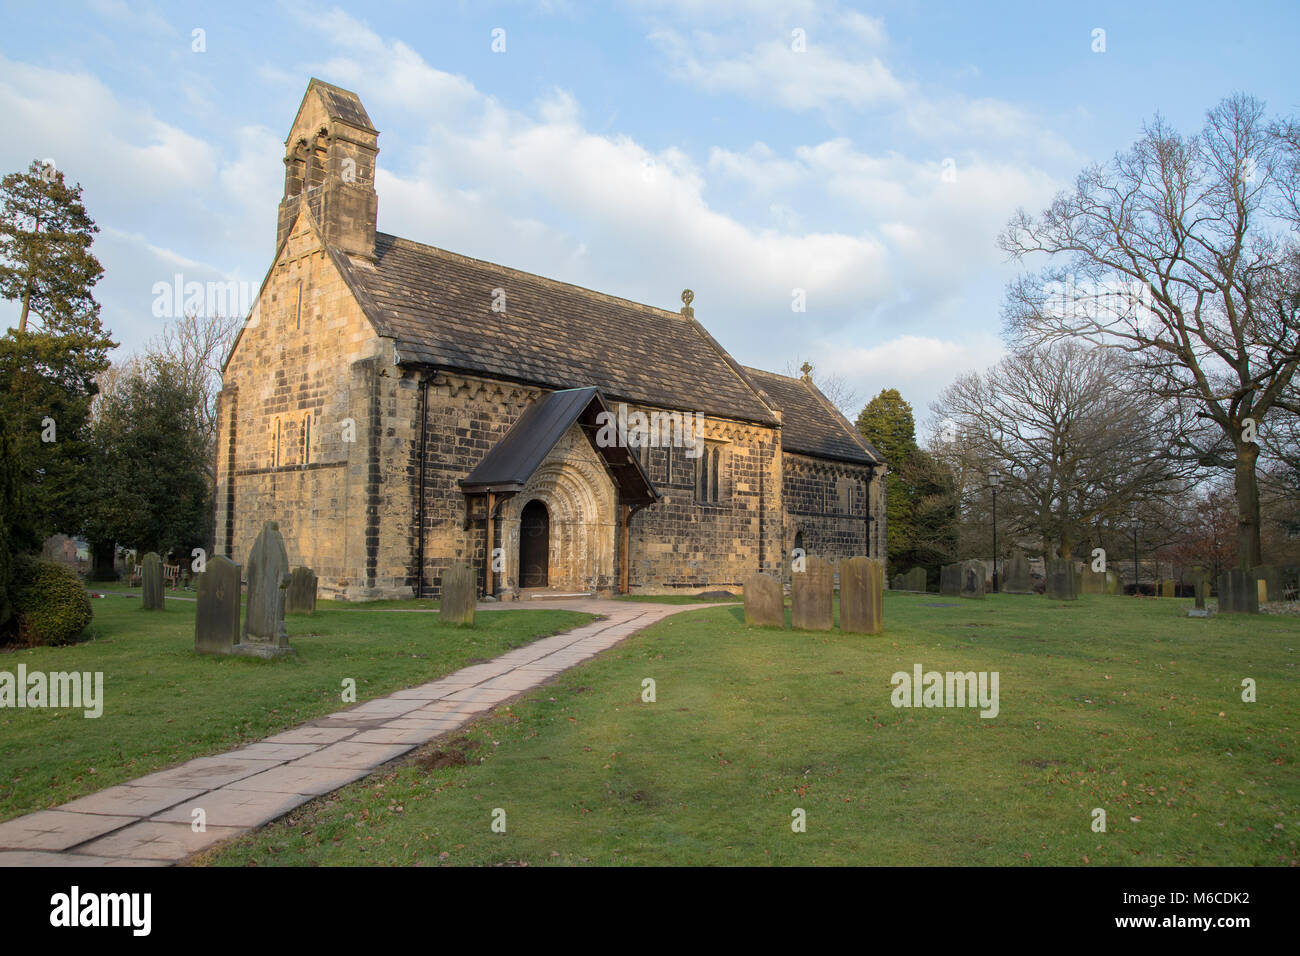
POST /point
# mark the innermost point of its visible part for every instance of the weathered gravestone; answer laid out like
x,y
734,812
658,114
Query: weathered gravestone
x,y
914,580
301,598
216,620
1166,587
1112,582
1238,593
1091,582
897,583
151,581
764,601
973,577
862,595
1060,580
459,595
1015,575
1201,582
950,580
268,580
811,594
1270,578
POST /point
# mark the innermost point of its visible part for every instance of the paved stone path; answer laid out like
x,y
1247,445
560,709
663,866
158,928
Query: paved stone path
x,y
148,821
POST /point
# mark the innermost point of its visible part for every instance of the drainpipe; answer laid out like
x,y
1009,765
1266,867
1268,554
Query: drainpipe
x,y
419,503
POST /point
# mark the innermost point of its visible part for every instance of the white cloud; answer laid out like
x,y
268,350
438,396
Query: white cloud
x,y
812,79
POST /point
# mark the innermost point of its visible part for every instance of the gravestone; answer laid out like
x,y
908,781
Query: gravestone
x,y
897,583
1166,587
1015,575
459,595
1238,593
764,601
1091,582
1112,582
268,579
950,580
151,581
1060,580
973,577
1271,579
216,621
811,596
301,598
1201,583
914,580
861,595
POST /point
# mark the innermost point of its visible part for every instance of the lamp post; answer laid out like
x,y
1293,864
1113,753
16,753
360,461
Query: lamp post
x,y
994,478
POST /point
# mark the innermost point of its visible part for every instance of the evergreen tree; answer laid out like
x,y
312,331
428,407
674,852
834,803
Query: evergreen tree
x,y
48,364
150,481
921,509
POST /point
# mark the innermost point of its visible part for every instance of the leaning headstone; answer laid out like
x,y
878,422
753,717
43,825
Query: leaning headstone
x,y
459,595
301,598
1271,579
151,581
811,596
915,580
861,595
973,576
950,580
1238,593
268,580
1015,575
216,620
765,601
1060,580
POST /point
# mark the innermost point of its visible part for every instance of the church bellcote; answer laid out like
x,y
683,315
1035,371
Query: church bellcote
x,y
329,164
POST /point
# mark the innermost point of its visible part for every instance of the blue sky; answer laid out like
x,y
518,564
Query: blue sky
x,y
637,148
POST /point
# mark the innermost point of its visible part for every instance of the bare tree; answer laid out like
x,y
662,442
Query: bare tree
x,y
1074,446
197,347
835,387
1176,252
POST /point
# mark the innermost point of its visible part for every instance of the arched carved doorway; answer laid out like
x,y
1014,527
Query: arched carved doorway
x,y
534,545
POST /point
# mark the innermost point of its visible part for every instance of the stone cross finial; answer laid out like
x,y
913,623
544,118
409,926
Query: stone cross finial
x,y
687,298
806,369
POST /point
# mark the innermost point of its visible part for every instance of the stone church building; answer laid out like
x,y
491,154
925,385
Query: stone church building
x,y
398,408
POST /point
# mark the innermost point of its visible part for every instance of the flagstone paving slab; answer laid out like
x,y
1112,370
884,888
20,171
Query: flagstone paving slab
x,y
311,734
310,781
233,808
348,754
151,840
131,800
148,821
45,858
204,773
56,829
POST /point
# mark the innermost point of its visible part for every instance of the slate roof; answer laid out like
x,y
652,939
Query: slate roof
x,y
811,425
437,307
341,104
513,459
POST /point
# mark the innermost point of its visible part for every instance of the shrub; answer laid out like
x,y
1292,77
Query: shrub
x,y
50,605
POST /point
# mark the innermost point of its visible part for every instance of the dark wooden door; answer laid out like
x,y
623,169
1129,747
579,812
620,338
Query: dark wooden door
x,y
534,545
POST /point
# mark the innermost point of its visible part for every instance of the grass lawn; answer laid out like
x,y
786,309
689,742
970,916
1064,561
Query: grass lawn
x,y
165,704
1110,702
